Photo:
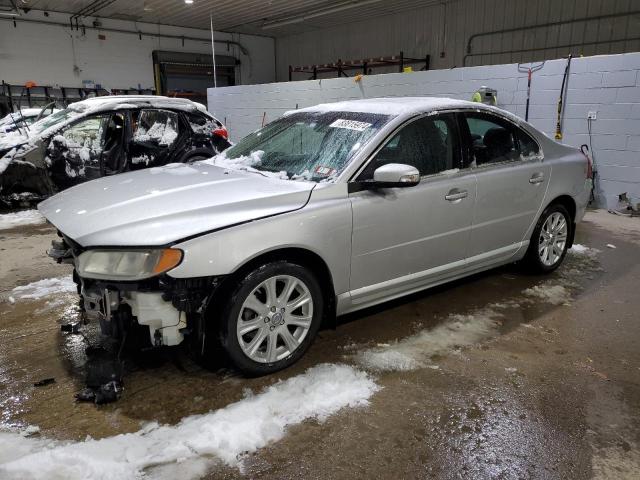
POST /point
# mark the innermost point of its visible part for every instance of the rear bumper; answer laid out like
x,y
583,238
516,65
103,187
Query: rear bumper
x,y
582,200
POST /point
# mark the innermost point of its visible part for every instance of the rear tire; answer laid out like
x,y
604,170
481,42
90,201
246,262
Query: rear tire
x,y
271,317
549,240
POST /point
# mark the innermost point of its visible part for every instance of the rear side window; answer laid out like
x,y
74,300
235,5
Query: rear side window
x,y
428,144
528,146
492,140
155,126
202,123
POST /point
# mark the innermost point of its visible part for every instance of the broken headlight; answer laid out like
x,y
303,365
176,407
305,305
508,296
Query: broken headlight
x,y
127,265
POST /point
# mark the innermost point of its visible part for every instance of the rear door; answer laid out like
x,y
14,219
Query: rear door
x,y
156,134
405,238
512,180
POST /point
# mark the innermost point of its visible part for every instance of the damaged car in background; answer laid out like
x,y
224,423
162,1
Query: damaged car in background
x,y
22,119
325,211
103,136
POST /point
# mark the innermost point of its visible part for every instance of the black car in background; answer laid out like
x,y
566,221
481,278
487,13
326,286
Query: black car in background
x,y
104,136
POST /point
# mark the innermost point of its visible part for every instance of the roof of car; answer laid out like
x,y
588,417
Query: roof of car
x,y
392,105
109,102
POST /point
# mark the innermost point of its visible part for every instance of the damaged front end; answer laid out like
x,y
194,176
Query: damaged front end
x,y
139,301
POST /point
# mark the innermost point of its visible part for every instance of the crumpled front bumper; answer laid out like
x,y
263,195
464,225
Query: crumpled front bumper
x,y
167,325
168,307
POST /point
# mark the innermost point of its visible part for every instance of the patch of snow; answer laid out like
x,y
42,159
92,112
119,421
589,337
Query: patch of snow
x,y
45,288
414,352
243,163
450,172
401,106
23,217
141,159
553,294
583,250
189,448
30,430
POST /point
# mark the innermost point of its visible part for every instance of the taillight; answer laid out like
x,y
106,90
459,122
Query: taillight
x,y
221,132
589,169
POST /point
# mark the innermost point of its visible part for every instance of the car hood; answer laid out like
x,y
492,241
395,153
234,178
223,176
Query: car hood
x,y
158,206
15,139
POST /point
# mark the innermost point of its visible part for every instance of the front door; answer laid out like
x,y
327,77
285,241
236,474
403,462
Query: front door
x,y
512,181
407,238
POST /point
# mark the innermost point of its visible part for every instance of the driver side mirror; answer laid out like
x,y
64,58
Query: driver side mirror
x,y
395,175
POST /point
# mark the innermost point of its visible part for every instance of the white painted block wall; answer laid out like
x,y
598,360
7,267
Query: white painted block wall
x,y
608,84
46,54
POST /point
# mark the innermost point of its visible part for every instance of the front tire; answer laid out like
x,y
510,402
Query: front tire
x,y
550,240
271,318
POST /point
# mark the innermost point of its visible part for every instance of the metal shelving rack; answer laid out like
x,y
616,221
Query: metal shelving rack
x,y
364,66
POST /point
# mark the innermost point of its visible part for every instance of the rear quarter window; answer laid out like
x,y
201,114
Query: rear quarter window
x,y
202,123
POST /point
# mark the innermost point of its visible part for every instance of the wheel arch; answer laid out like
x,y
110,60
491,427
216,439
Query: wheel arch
x,y
302,256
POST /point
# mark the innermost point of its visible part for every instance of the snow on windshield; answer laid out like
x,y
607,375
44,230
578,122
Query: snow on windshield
x,y
313,146
244,163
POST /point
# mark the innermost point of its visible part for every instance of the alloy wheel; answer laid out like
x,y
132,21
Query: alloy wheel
x,y
553,239
275,318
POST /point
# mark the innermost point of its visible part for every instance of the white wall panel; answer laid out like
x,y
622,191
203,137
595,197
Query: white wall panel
x,y
46,54
616,132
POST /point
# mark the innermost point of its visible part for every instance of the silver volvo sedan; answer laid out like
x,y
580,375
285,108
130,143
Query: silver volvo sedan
x,y
325,211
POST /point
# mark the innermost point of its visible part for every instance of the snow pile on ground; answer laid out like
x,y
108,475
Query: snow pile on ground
x,y
16,219
45,288
550,293
414,352
190,447
579,249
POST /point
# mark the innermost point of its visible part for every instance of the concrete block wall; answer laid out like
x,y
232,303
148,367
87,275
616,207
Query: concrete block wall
x,y
608,85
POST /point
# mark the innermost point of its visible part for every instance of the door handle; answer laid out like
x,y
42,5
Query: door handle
x,y
536,178
456,194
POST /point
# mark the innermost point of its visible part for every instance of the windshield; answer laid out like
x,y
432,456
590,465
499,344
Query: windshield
x,y
51,120
306,145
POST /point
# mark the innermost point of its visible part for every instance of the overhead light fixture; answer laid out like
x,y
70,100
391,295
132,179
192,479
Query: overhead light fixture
x,y
188,2
317,13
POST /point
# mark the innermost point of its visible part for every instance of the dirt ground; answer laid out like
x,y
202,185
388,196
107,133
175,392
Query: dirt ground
x,y
552,392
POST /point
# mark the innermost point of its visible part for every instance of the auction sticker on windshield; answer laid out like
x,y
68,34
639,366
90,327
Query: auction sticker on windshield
x,y
350,125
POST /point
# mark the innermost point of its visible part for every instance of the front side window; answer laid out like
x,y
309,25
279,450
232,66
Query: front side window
x,y
309,145
155,126
84,141
428,144
492,139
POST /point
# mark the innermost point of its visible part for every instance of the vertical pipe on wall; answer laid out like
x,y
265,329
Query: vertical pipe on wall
x,y
213,52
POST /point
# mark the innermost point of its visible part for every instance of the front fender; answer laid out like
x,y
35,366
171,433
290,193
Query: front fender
x,y
323,227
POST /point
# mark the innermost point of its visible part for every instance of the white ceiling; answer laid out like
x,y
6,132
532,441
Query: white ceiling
x,y
243,16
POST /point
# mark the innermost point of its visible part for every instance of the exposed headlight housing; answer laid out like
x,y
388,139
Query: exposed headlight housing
x,y
127,265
